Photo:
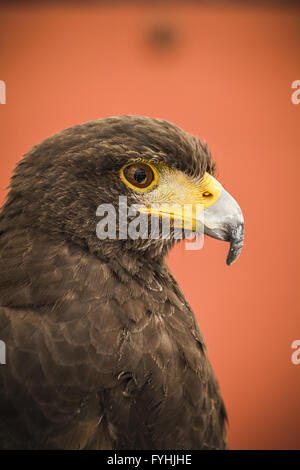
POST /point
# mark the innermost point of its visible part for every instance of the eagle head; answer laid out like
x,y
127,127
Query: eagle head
x,y
61,183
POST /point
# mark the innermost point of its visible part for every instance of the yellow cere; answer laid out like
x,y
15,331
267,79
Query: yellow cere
x,y
171,189
175,187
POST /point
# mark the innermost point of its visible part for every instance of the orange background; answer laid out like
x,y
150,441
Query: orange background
x,y
226,76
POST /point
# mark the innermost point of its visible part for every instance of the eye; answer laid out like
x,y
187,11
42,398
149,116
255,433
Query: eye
x,y
139,175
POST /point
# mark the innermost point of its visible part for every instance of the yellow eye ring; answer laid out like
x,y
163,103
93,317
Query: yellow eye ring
x,y
139,176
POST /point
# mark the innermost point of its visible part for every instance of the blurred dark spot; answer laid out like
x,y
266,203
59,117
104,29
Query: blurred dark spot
x,y
162,37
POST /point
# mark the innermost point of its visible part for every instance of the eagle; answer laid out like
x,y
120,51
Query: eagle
x,y
102,349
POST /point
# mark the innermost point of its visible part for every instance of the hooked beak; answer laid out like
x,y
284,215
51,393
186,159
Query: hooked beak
x,y
212,210
224,221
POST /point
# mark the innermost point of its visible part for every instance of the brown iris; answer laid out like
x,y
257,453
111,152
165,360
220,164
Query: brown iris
x,y
139,175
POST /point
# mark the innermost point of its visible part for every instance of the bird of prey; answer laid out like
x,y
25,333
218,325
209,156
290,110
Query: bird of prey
x,y
102,349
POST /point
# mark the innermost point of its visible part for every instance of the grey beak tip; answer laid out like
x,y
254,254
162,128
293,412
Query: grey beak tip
x,y
236,245
231,259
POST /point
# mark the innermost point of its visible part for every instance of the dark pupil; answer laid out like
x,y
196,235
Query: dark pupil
x,y
140,175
